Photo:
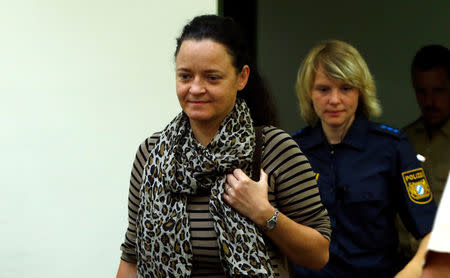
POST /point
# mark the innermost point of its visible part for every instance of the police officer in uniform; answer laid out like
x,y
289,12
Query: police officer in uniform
x,y
367,172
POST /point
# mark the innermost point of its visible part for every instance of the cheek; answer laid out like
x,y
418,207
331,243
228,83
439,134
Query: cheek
x,y
443,98
355,100
181,96
317,103
229,102
181,90
443,102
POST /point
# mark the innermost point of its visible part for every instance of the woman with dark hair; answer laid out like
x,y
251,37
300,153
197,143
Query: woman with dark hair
x,y
204,207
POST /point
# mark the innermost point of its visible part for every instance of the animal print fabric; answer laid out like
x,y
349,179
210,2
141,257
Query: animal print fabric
x,y
179,166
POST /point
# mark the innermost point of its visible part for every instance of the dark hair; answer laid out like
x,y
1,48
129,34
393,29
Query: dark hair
x,y
431,56
226,31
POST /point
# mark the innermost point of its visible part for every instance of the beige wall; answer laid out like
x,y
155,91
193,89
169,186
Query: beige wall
x,y
82,83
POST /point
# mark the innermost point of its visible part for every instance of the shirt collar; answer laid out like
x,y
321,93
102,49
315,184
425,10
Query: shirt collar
x,y
420,127
357,133
315,137
355,137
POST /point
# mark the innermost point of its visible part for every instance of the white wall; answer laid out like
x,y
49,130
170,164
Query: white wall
x,y
82,83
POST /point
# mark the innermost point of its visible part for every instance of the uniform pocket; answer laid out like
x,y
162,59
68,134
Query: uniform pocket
x,y
367,215
365,205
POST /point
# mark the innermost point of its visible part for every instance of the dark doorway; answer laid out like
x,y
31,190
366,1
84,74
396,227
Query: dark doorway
x,y
245,13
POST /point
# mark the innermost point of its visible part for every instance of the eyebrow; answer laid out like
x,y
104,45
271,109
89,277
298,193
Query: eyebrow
x,y
206,71
182,69
212,70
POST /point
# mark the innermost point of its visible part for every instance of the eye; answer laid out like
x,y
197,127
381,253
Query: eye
x,y
420,91
183,76
322,89
347,88
214,78
438,90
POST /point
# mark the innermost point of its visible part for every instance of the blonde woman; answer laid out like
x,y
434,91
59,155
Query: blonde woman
x,y
367,172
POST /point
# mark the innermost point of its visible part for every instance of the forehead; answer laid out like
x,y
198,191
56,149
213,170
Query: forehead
x,y
203,51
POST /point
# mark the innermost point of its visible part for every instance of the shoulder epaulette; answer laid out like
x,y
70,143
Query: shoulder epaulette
x,y
387,129
296,133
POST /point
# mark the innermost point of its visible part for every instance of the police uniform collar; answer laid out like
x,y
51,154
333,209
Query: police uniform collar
x,y
355,137
315,136
418,125
357,133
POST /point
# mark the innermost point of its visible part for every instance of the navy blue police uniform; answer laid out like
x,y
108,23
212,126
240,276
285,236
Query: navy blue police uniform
x,y
364,181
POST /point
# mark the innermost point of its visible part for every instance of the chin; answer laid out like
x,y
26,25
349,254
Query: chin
x,y
199,117
435,123
196,117
196,114
334,122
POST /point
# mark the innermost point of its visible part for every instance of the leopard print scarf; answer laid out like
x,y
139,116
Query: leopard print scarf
x,y
179,166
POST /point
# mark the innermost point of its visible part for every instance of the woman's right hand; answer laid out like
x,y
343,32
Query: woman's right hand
x,y
127,270
249,197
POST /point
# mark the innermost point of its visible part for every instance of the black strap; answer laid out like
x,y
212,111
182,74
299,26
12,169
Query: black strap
x,y
257,154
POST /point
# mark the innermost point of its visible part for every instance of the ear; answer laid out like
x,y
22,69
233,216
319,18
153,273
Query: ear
x,y
243,77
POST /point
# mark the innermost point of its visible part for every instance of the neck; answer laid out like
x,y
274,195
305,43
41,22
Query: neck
x,y
204,133
430,130
335,134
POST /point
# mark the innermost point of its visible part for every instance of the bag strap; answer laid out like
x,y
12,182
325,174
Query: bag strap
x,y
258,153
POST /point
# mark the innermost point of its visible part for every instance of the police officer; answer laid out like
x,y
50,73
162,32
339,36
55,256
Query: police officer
x,y
367,172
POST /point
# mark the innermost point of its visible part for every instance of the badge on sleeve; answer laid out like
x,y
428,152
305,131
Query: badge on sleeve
x,y
417,186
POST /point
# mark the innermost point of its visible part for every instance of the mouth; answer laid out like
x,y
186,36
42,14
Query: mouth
x,y
431,110
334,112
198,102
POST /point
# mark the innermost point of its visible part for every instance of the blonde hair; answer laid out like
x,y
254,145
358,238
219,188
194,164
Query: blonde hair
x,y
339,60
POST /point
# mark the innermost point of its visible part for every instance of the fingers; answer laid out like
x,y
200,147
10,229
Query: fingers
x,y
245,195
263,176
228,189
231,179
228,194
238,178
240,175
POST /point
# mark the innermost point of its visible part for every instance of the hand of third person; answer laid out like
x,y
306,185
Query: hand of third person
x,y
412,270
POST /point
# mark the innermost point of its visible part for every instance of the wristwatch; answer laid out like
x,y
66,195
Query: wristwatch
x,y
270,224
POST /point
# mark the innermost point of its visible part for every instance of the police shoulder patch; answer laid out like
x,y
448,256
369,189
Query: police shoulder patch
x,y
417,186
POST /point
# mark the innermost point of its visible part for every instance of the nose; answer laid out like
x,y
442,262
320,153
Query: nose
x,y
428,98
197,86
334,96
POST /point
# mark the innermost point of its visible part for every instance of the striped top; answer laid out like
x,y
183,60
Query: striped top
x,y
292,189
